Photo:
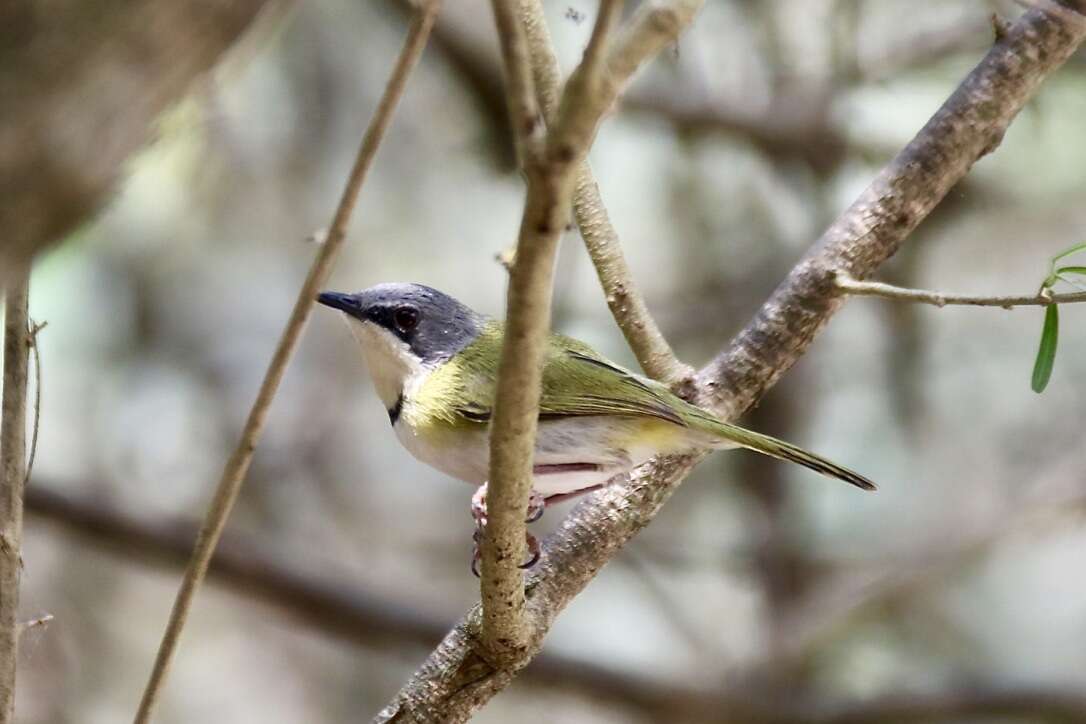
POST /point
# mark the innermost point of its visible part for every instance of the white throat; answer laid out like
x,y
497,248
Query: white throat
x,y
393,367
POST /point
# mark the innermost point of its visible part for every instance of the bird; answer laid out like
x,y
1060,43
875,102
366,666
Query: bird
x,y
434,361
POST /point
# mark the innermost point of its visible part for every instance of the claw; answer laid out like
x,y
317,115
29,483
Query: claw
x,y
536,505
533,551
476,551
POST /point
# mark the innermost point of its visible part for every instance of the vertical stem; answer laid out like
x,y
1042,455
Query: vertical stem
x,y
506,632
13,470
233,475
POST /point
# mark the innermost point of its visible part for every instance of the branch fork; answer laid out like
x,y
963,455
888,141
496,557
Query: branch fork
x,y
554,175
455,681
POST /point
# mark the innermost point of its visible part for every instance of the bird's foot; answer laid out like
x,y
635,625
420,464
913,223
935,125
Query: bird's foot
x,y
478,508
536,505
534,551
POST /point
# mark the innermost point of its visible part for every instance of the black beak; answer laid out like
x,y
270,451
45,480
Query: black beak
x,y
337,300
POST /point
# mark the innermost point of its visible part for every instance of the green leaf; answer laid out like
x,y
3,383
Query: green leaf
x,y
1046,352
1071,270
1068,252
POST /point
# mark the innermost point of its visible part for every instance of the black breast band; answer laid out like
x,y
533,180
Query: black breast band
x,y
394,411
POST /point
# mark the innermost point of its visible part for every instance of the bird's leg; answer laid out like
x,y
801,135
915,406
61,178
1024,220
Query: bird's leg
x,y
536,505
478,507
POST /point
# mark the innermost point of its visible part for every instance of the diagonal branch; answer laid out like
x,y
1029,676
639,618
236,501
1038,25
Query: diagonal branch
x,y
351,614
12,476
969,125
236,467
321,603
524,114
63,147
628,307
455,681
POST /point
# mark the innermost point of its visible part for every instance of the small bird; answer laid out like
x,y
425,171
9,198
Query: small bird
x,y
434,364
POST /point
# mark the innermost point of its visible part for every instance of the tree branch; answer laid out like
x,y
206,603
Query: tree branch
x,y
859,288
524,117
13,472
346,613
628,307
505,632
969,125
455,680
351,614
82,86
236,467
1048,705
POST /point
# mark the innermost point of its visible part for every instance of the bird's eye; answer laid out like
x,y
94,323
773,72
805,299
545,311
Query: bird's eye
x,y
405,318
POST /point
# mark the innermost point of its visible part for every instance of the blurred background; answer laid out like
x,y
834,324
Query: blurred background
x,y
762,592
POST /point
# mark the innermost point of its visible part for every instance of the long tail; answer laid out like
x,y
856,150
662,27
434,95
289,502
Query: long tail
x,y
782,450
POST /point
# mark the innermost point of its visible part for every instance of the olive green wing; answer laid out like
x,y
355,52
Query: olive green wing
x,y
579,382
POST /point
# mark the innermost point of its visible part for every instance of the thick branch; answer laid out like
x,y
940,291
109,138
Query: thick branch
x,y
81,86
859,288
454,681
1047,705
324,604
238,465
352,614
12,477
969,125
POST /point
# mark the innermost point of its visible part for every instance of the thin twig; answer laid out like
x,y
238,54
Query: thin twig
x,y
454,681
628,307
856,287
524,116
505,630
35,328
590,91
12,476
968,126
624,298
236,467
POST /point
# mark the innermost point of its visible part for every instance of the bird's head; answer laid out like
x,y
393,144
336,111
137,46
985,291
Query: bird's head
x,y
404,330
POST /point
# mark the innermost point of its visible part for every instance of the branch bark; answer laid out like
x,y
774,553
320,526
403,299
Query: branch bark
x,y
859,288
548,167
455,680
13,471
625,301
969,125
81,87
237,466
591,91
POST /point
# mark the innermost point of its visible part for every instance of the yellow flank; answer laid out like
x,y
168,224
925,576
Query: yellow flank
x,y
662,436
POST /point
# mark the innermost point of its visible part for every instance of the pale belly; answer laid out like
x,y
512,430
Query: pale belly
x,y
602,446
